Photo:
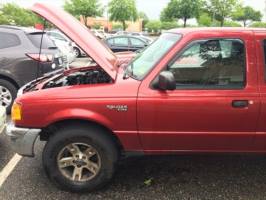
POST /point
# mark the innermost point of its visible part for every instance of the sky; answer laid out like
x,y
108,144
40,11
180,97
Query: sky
x,y
152,8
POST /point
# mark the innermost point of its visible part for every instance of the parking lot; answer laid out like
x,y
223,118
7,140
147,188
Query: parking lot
x,y
172,177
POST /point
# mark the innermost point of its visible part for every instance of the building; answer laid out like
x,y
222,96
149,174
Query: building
x,y
103,23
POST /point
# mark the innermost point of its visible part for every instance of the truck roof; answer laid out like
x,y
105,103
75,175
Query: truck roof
x,y
216,29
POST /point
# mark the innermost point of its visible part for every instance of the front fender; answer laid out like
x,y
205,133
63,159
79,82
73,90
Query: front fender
x,y
81,114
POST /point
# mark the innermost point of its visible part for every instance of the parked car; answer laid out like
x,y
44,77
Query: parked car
x,y
67,50
57,35
191,91
126,43
20,61
99,33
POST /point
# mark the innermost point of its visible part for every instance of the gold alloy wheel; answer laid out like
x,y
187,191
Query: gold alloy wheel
x,y
79,162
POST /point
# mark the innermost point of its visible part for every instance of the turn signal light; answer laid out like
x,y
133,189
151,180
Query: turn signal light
x,y
16,113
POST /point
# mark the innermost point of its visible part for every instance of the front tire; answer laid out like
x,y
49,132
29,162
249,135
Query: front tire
x,y
80,158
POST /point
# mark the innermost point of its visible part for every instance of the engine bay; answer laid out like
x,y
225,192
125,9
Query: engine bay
x,y
82,77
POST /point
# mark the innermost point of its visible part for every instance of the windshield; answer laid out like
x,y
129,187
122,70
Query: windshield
x,y
147,59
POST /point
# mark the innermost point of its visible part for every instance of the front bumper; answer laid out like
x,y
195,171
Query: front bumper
x,y
22,139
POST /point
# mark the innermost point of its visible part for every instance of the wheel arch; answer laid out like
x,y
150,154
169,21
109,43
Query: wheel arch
x,y
10,79
51,128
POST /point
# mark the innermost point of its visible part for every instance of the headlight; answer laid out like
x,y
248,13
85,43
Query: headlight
x,y
16,113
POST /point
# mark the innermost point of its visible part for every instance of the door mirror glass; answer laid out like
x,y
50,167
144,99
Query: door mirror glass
x,y
166,81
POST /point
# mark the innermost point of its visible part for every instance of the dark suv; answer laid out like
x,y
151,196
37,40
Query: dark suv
x,y
21,61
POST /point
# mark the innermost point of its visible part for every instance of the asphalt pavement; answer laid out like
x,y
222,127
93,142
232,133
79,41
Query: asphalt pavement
x,y
153,177
206,177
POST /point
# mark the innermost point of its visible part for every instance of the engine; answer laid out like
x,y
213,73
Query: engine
x,y
92,76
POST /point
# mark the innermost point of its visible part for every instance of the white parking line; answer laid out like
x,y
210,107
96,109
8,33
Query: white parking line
x,y
9,168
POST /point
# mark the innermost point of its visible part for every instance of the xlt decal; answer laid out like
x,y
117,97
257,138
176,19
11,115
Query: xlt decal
x,y
119,108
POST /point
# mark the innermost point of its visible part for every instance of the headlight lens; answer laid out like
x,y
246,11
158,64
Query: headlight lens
x,y
16,113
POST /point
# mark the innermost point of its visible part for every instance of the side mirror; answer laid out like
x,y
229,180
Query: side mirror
x,y
166,81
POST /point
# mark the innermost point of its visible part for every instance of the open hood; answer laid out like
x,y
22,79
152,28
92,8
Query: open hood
x,y
81,35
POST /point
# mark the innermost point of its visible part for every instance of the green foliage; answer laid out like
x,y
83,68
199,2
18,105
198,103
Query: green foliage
x,y
169,25
96,26
154,26
246,14
181,9
12,14
144,17
205,20
122,11
258,25
222,9
3,19
86,8
231,24
148,182
117,27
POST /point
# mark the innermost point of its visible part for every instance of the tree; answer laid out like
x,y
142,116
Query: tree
x,y
144,17
169,25
246,14
14,15
205,20
231,24
84,8
3,19
153,26
181,9
221,9
258,25
122,11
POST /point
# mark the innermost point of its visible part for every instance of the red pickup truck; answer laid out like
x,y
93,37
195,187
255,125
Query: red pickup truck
x,y
190,91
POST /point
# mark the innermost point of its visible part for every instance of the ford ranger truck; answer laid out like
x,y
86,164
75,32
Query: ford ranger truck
x,y
191,91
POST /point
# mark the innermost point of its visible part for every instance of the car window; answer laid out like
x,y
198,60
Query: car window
x,y
57,36
110,41
121,41
137,42
211,64
35,38
8,40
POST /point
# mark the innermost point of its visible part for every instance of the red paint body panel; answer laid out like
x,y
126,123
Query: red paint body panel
x,y
158,122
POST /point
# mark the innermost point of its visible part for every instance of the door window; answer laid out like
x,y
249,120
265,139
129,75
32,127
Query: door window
x,y
211,64
121,41
136,42
8,40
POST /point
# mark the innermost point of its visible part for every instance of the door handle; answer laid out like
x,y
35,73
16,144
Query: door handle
x,y
240,103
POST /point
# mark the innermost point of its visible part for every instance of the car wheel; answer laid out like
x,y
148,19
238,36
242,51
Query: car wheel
x,y
80,158
8,93
77,52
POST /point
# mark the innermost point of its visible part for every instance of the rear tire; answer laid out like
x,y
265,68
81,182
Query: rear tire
x,y
8,93
70,140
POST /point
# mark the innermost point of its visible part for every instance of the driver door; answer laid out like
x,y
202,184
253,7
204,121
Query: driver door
x,y
214,107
